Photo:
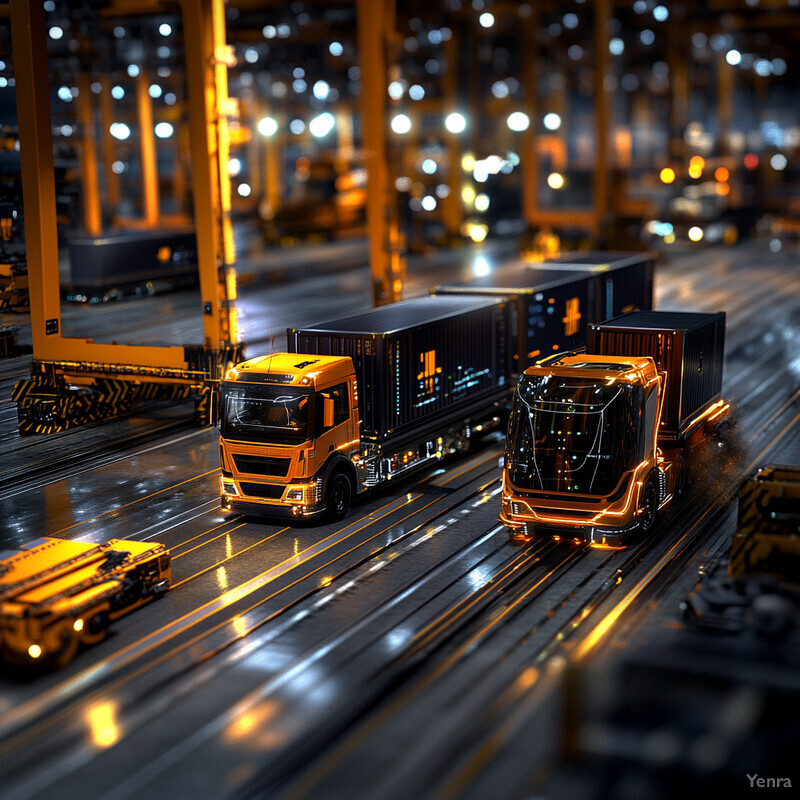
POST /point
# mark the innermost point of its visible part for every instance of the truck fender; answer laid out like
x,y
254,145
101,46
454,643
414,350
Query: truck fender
x,y
338,463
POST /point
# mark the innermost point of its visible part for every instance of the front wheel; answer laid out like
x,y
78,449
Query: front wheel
x,y
649,506
337,498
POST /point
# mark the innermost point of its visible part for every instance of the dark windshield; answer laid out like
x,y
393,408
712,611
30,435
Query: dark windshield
x,y
572,435
265,413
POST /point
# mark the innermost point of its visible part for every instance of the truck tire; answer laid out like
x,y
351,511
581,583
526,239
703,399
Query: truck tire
x,y
69,646
95,628
337,496
649,506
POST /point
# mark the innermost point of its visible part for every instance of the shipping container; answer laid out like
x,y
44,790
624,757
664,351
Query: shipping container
x,y
136,257
624,281
551,304
431,358
689,346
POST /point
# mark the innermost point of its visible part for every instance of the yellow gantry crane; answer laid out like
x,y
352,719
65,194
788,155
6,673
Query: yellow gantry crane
x,y
75,380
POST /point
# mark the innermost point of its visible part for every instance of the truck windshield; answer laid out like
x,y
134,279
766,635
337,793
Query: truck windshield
x,y
572,435
265,413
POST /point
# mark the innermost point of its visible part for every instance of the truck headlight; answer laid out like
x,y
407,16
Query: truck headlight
x,y
228,487
295,495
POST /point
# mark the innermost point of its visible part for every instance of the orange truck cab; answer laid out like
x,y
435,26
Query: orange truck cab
x,y
287,422
599,441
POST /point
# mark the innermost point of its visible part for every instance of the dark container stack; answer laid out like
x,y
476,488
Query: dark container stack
x,y
551,304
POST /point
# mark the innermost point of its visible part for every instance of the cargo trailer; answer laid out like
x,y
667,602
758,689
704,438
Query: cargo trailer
x,y
550,305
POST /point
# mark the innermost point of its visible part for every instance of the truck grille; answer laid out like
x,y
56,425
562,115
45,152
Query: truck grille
x,y
260,465
263,490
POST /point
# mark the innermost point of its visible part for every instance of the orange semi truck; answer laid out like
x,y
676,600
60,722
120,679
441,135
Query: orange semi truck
x,y
599,441
56,594
361,401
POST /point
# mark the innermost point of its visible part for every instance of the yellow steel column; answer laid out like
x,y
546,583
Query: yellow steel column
x,y
206,78
180,146
88,155
272,174
602,113
106,119
38,178
147,150
724,101
373,22
530,151
678,59
453,205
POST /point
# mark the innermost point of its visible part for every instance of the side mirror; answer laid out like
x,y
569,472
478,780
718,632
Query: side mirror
x,y
327,412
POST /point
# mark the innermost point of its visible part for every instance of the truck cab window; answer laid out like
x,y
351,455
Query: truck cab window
x,y
341,411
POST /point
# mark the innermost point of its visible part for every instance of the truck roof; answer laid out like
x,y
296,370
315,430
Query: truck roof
x,y
54,561
289,368
598,367
404,315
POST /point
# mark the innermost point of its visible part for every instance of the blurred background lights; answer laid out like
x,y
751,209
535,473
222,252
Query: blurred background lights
x,y
335,48
481,267
486,20
455,122
482,202
518,121
267,126
401,123
647,37
429,166
667,175
396,90
416,92
117,92
155,91
234,167
165,29
322,124
56,32
321,90
555,180
778,162
164,130
133,70
297,126
244,190
552,121
695,233
119,130
429,202
661,13
750,161
733,57
616,46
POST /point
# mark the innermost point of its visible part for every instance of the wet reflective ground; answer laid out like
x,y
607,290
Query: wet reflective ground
x,y
235,681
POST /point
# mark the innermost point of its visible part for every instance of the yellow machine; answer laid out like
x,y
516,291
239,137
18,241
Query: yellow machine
x,y
56,594
767,536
